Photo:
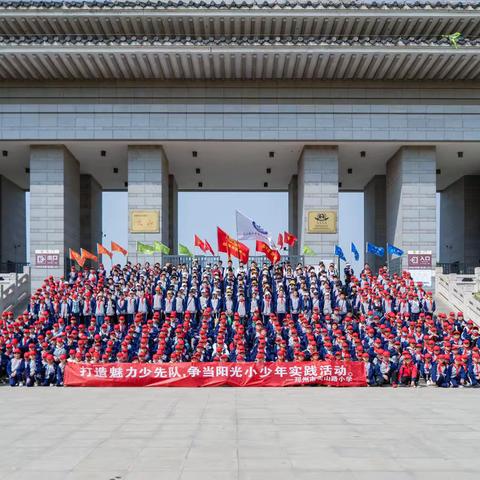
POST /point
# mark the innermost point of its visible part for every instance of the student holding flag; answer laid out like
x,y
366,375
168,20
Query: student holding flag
x,y
348,273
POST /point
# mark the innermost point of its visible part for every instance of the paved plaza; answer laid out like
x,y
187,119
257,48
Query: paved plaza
x,y
247,434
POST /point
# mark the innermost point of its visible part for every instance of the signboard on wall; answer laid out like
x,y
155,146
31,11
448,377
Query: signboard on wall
x,y
144,221
419,264
418,260
322,221
47,258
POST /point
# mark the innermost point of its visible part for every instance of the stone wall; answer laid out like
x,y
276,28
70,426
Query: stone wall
x,y
147,190
318,111
317,190
54,206
411,200
13,225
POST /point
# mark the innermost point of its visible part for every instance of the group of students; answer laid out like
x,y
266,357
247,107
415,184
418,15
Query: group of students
x,y
255,313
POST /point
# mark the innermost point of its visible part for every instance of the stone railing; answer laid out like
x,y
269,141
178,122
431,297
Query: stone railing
x,y
15,290
459,292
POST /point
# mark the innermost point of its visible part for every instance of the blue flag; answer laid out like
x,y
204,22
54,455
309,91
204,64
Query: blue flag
x,y
378,251
339,253
392,250
355,252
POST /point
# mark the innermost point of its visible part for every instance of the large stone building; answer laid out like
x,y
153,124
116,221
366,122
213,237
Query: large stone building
x,y
314,97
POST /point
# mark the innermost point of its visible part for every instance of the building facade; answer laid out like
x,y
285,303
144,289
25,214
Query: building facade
x,y
314,97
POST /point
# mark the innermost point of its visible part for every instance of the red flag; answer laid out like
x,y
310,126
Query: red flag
x,y
222,239
230,246
199,243
101,250
272,254
117,248
280,240
76,257
208,247
289,239
89,255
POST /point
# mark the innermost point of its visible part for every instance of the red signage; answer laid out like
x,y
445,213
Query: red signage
x,y
215,374
419,261
47,258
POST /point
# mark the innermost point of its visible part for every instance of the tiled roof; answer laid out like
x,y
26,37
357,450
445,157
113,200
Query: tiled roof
x,y
74,40
244,4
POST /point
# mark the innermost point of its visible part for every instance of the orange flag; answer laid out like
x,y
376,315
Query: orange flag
x,y
230,246
199,243
89,255
270,253
117,248
101,250
76,257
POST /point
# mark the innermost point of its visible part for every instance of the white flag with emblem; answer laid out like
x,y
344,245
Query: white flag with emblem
x,y
248,229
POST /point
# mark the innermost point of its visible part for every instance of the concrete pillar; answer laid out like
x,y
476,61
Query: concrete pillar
x,y
90,213
13,237
54,208
460,222
318,199
148,196
173,214
293,212
375,217
411,200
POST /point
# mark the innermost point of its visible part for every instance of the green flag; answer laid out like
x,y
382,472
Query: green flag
x,y
308,251
144,248
160,247
183,250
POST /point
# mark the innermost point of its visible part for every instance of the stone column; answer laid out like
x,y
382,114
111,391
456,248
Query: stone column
x,y
90,213
460,222
13,236
293,212
375,217
318,197
411,200
147,193
54,207
173,214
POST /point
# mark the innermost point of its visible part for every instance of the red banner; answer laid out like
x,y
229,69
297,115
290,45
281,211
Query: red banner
x,y
215,374
230,246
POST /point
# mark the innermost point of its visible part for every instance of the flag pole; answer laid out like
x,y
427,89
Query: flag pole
x,y
388,259
365,254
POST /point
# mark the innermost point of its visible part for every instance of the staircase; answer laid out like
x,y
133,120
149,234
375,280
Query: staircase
x,y
14,290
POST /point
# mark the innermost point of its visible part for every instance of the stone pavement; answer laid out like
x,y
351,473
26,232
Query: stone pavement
x,y
246,434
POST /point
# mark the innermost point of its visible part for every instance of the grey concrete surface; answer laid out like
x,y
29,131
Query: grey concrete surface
x,y
245,434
